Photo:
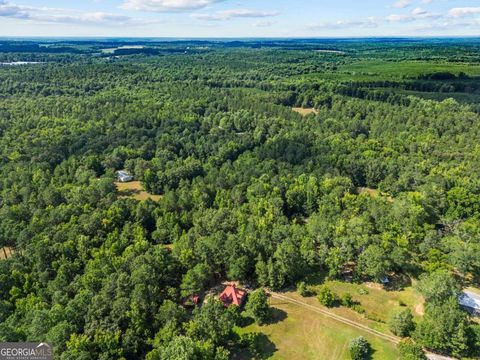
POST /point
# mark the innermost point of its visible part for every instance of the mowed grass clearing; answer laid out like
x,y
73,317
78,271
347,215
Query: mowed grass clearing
x,y
300,333
305,112
135,190
377,302
6,252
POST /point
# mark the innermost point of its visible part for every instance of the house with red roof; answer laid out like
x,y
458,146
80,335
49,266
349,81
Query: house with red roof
x,y
233,295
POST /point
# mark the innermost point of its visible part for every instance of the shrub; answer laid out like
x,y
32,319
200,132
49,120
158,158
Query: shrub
x,y
410,351
347,300
401,322
359,309
359,348
305,290
363,291
326,296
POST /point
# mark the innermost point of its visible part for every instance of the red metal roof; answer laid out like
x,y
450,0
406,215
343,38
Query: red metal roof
x,y
232,295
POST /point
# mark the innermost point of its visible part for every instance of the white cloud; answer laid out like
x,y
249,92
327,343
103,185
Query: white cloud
x,y
401,4
234,13
415,15
167,5
263,23
463,12
65,16
419,11
370,22
398,17
448,25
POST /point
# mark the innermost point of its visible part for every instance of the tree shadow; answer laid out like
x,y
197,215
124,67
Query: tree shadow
x,y
268,347
245,321
398,283
257,347
277,315
369,355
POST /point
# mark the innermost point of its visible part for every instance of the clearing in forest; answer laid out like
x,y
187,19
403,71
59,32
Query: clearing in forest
x,y
305,112
297,332
373,193
135,190
6,252
301,332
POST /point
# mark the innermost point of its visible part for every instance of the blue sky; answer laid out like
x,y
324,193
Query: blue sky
x,y
239,18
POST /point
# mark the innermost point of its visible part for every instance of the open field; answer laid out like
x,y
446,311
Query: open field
x,y
376,301
135,190
401,69
6,252
299,333
370,70
305,112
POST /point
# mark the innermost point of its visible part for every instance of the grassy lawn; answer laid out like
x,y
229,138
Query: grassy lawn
x,y
376,301
298,333
135,190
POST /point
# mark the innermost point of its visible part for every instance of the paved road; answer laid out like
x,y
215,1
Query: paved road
x,y
322,311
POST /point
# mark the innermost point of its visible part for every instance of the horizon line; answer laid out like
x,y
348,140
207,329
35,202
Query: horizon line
x,y
241,37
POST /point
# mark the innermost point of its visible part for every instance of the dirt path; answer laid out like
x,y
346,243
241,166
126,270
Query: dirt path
x,y
341,319
387,337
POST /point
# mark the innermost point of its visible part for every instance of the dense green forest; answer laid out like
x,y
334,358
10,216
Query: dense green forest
x,y
251,190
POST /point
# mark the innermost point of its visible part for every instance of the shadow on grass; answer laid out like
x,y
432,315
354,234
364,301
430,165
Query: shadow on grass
x,y
277,315
245,321
398,283
369,355
253,346
268,348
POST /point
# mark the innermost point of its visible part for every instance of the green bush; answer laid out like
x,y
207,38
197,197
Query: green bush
x,y
359,348
410,351
358,308
326,296
363,291
347,300
400,322
305,290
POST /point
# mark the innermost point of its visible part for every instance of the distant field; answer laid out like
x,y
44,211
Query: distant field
x,y
135,190
409,68
459,96
305,112
302,334
370,70
6,252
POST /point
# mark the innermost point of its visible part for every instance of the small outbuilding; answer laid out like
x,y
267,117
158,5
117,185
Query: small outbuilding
x,y
233,295
124,176
191,301
470,301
